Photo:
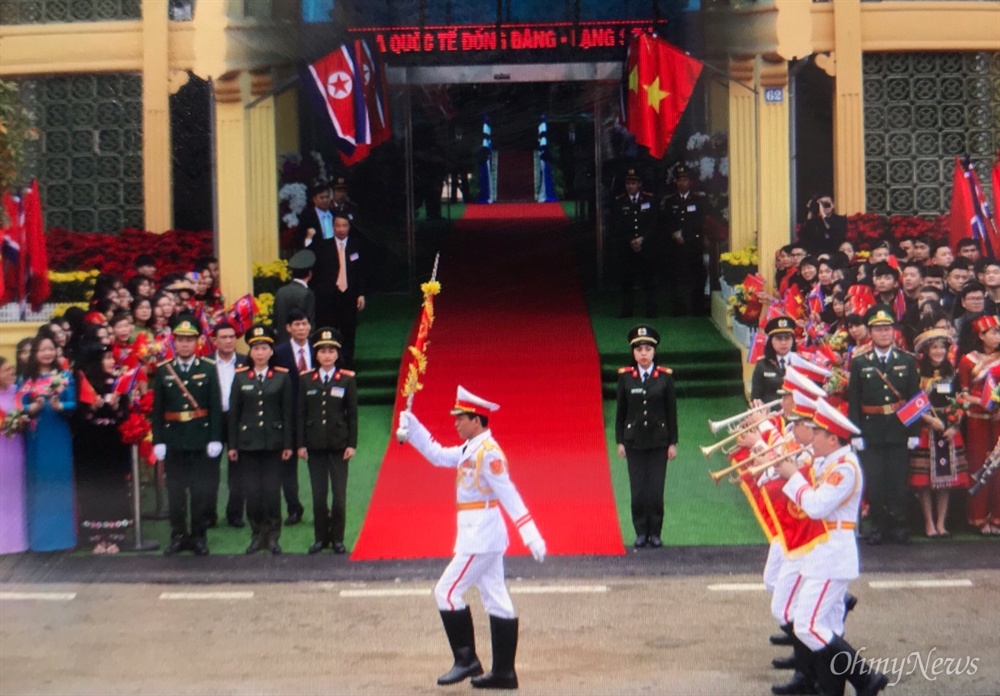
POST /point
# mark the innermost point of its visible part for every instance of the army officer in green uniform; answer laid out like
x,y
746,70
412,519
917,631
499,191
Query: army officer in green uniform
x,y
261,413
187,435
882,380
328,436
646,432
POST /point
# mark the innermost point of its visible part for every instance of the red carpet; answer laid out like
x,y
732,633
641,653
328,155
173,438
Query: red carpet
x,y
511,326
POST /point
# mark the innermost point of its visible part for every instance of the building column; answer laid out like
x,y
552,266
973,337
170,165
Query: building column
x,y
231,198
286,121
157,177
742,155
262,202
848,108
774,224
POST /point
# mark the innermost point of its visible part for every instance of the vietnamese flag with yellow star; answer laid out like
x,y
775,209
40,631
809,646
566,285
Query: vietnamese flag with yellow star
x,y
659,80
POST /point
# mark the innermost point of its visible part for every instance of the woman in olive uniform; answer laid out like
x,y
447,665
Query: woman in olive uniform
x,y
261,435
769,372
646,432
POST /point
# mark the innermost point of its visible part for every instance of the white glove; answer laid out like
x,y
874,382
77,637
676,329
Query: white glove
x,y
403,431
160,452
859,443
912,442
214,448
537,548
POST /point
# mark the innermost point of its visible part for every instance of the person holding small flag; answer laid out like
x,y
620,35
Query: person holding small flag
x,y
883,381
100,460
976,370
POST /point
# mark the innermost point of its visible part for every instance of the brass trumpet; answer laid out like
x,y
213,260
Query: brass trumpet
x,y
716,426
756,470
721,444
722,473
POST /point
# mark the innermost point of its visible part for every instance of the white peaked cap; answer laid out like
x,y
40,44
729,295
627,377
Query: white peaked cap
x,y
467,402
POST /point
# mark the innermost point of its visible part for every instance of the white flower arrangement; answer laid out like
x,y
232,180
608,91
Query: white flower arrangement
x,y
295,195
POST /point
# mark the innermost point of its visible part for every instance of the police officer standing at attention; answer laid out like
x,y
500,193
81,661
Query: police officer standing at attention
x,y
327,433
634,227
683,219
646,432
769,372
881,381
260,436
187,435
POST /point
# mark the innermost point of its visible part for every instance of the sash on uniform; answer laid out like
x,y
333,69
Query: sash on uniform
x,y
798,532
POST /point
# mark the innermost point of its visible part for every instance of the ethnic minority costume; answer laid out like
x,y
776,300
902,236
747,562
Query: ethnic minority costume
x,y
981,432
938,462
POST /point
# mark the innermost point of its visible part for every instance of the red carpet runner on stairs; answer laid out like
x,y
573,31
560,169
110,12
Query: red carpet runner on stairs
x,y
510,325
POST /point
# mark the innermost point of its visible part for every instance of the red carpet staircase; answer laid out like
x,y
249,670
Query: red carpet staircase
x,y
511,325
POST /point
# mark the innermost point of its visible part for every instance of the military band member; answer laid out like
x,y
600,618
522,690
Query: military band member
x,y
327,433
634,229
881,381
261,414
646,432
187,436
825,570
483,487
769,372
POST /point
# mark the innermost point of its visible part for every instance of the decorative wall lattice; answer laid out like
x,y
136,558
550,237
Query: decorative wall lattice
x,y
921,110
88,158
55,11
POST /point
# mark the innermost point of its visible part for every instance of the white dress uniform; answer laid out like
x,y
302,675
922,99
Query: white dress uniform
x,y
482,487
825,572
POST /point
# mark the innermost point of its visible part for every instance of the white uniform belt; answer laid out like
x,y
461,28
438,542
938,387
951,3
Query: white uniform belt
x,y
479,505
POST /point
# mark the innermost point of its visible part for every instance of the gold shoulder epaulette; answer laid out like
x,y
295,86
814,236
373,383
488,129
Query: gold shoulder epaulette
x,y
163,362
242,369
280,369
348,373
623,370
208,360
307,372
665,370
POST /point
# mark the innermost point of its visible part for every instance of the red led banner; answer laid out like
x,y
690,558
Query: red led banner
x,y
479,38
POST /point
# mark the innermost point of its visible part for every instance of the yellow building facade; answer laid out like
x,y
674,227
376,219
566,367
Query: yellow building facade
x,y
244,48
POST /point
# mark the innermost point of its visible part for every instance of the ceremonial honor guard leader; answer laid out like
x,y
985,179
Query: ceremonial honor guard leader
x,y
830,562
483,486
882,380
646,432
261,413
187,435
328,437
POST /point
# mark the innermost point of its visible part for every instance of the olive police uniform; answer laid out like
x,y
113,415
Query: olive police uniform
x,y
876,391
187,419
261,416
646,424
483,486
686,213
634,230
769,372
328,425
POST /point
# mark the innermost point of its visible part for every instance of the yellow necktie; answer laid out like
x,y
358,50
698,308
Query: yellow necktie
x,y
342,273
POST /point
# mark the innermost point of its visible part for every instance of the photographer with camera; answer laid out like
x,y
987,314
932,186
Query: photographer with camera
x,y
823,231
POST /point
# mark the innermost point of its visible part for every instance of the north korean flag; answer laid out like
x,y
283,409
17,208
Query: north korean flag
x,y
335,86
914,408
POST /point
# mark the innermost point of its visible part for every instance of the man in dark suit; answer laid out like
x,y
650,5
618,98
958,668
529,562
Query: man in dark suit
x,y
187,435
328,437
882,381
227,361
338,282
296,356
295,294
316,221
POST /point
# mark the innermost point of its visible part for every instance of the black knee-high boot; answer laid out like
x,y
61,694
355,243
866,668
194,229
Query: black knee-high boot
x,y
462,637
502,676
